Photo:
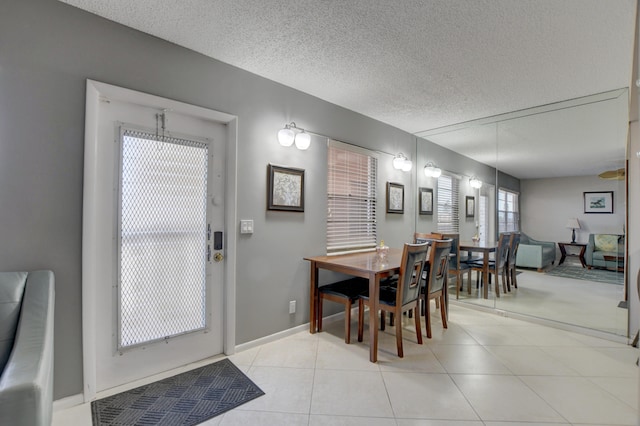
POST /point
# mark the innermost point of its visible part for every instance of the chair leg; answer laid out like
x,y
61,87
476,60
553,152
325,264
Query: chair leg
x,y
383,319
443,312
347,323
497,283
514,278
418,326
361,319
319,321
427,317
399,337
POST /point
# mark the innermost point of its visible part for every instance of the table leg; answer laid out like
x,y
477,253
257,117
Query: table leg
x,y
313,298
485,273
374,296
583,249
563,254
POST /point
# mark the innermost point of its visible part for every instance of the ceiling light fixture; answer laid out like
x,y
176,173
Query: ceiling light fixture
x,y
401,162
475,182
287,136
430,170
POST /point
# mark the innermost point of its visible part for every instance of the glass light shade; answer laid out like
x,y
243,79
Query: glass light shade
x,y
398,161
436,172
430,170
286,136
475,182
303,140
407,165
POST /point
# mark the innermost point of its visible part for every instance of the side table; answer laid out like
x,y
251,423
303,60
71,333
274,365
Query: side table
x,y
580,255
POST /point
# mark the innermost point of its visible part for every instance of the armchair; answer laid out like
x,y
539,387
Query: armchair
x,y
605,250
26,348
535,254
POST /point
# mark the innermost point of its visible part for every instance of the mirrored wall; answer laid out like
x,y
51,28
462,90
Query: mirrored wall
x,y
535,162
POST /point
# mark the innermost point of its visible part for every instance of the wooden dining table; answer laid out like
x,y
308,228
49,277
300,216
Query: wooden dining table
x,y
366,265
485,248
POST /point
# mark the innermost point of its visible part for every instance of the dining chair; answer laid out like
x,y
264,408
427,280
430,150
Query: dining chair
x,y
346,292
404,297
497,266
456,266
434,287
421,237
514,243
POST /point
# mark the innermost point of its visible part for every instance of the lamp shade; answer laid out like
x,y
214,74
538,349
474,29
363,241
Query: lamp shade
x,y
303,140
430,170
286,136
573,223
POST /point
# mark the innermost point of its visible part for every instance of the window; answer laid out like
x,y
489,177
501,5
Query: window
x,y
508,214
448,218
351,193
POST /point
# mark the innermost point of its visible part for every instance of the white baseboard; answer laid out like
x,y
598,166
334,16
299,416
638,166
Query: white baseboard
x,y
68,402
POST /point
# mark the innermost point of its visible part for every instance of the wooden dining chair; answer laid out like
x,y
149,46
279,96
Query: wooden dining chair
x,y
456,266
497,266
404,297
434,288
345,292
514,243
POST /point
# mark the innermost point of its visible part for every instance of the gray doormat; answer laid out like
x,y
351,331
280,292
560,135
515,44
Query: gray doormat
x,y
580,273
185,399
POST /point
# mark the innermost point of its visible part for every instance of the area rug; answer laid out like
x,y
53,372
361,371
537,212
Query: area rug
x,y
579,273
185,399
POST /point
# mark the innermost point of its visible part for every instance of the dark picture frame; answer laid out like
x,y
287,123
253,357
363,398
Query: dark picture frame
x,y
395,197
598,202
470,206
285,188
425,201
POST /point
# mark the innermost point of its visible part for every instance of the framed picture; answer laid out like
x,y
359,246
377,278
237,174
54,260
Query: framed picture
x,y
425,201
395,197
470,206
598,202
285,188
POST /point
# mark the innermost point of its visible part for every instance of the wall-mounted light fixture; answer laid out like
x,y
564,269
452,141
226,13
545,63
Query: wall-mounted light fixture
x,y
475,182
430,170
287,136
400,162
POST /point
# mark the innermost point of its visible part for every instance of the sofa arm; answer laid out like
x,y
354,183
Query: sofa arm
x,y
529,256
26,385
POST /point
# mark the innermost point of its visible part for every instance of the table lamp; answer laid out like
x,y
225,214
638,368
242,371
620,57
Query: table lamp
x,y
573,224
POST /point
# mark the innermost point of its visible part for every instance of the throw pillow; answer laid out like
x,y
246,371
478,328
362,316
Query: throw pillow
x,y
606,242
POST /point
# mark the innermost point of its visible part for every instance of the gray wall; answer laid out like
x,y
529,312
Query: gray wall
x,y
48,50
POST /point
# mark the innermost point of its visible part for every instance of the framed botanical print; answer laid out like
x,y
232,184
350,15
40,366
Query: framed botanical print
x,y
598,202
425,201
470,206
285,188
395,198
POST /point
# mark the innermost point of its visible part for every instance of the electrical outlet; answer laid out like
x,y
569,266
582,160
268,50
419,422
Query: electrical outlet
x,y
292,307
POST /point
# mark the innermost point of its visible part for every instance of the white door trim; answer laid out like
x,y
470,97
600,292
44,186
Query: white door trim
x,y
98,92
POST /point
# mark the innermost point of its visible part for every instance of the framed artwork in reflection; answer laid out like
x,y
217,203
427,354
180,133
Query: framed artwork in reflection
x,y
470,206
425,201
395,198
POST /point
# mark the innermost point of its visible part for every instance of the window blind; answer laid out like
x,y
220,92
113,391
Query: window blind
x,y
508,212
448,202
351,192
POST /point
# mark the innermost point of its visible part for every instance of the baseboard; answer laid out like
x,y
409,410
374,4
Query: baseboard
x,y
68,402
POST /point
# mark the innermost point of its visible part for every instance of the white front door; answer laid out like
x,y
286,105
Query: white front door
x,y
157,288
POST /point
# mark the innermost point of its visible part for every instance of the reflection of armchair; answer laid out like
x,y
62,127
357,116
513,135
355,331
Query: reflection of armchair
x,y
600,246
26,347
535,254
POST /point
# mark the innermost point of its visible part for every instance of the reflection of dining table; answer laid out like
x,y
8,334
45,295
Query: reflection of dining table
x,y
366,265
485,248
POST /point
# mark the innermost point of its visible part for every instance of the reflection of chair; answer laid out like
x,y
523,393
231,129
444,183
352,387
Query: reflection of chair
x,y
514,243
420,237
456,267
436,280
404,297
497,266
346,292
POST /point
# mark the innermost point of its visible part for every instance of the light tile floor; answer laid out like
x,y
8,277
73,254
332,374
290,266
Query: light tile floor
x,y
484,370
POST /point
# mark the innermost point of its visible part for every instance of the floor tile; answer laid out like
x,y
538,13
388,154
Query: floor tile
x,y
528,360
287,390
323,420
350,393
290,352
243,418
335,354
421,422
581,401
623,388
467,359
596,362
426,396
504,398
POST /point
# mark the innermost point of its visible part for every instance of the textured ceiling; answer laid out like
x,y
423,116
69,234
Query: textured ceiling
x,y
414,64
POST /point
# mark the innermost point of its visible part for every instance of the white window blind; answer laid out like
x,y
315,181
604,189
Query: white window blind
x,y
351,192
508,212
448,217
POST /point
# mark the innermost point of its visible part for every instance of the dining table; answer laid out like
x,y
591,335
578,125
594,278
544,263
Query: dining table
x,y
367,265
486,248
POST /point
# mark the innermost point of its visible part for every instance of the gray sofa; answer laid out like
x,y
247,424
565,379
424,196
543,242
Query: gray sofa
x,y
601,245
535,254
26,348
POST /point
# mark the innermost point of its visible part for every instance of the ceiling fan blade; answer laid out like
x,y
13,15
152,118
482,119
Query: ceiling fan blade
x,y
612,174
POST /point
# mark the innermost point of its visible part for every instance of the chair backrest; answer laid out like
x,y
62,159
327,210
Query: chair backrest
x,y
421,237
414,257
438,265
514,243
454,259
503,250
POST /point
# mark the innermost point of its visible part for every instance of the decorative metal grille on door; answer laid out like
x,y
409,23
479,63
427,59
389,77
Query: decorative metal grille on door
x,y
162,288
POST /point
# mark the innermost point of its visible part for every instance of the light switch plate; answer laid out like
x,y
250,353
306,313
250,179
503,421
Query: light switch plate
x,y
246,226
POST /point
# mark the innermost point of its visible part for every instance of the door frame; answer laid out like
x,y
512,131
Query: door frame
x,y
97,92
